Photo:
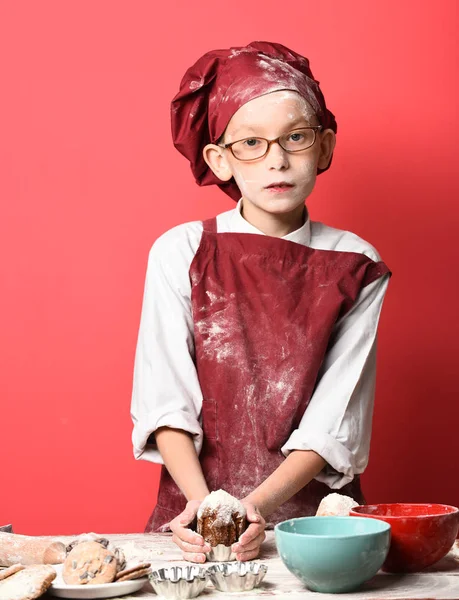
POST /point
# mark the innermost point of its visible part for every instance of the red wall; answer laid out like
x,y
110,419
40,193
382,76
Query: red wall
x,y
89,178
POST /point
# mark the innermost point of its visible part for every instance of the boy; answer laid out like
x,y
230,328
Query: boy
x,y
255,363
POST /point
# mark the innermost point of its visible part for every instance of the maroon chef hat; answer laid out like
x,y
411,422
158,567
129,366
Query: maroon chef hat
x,y
222,81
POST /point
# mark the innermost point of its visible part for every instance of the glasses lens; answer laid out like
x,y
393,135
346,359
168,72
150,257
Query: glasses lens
x,y
249,148
300,139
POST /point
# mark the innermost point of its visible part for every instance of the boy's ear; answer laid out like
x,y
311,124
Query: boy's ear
x,y
327,141
216,160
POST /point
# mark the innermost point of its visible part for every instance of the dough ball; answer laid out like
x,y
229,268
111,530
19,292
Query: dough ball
x,y
335,505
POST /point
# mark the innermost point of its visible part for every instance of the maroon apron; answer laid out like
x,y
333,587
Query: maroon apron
x,y
264,309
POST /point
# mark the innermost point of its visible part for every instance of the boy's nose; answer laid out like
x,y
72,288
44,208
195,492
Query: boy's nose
x,y
277,157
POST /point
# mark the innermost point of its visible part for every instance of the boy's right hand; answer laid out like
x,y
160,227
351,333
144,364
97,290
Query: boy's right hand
x,y
191,543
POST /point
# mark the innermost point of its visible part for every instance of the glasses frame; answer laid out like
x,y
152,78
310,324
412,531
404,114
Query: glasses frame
x,y
229,146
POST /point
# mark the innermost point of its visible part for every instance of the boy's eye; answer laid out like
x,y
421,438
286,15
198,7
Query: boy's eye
x,y
296,137
251,142
249,148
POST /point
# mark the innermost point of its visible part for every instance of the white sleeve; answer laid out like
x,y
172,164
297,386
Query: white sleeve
x,y
337,422
166,389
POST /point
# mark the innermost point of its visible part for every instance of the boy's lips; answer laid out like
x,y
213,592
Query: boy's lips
x,y
279,186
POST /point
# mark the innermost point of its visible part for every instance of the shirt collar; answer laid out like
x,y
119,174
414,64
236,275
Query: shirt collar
x,y
240,225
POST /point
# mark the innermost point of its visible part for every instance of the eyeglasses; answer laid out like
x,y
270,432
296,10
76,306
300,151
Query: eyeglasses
x,y
254,148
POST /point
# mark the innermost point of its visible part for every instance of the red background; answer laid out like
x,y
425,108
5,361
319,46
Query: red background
x,y
89,179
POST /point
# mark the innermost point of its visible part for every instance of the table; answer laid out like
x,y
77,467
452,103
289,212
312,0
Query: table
x,y
439,582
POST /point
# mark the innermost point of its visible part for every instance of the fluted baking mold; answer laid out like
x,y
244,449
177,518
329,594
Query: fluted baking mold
x,y
179,582
237,576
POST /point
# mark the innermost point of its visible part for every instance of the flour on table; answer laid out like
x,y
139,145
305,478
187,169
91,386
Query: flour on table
x,y
135,553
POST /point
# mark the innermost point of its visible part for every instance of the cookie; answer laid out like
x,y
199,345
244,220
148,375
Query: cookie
x,y
27,584
4,573
94,537
89,563
119,555
87,537
135,575
134,572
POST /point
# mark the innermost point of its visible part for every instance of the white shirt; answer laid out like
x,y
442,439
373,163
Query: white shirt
x,y
166,391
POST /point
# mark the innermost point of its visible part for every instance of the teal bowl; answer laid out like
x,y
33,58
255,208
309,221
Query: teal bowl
x,y
333,554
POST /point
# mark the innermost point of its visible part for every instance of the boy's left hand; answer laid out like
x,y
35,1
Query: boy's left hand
x,y
248,545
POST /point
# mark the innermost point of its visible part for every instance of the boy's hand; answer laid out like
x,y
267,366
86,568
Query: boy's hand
x,y
192,544
248,545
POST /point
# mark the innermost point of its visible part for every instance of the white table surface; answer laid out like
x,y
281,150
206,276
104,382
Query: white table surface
x,y
439,582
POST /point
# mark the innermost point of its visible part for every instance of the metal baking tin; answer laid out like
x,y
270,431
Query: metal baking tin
x,y
179,582
220,553
237,576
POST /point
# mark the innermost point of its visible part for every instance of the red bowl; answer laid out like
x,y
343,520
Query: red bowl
x,y
421,534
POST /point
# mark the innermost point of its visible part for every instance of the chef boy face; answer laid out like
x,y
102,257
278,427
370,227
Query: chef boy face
x,y
282,113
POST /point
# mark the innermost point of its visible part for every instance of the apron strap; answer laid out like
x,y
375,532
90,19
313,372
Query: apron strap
x,y
210,225
374,271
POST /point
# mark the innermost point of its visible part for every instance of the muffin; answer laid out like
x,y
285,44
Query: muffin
x,y
221,520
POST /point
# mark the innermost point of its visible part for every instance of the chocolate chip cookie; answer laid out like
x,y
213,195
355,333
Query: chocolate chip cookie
x,y
89,563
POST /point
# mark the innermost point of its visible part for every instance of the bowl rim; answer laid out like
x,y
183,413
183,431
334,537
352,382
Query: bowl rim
x,y
385,527
454,511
